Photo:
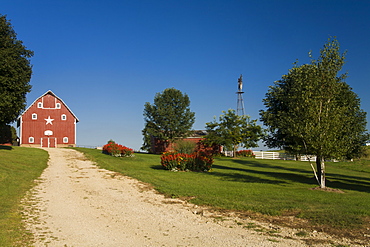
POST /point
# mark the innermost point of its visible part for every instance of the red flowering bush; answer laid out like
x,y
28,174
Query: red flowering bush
x,y
126,152
197,161
245,153
115,149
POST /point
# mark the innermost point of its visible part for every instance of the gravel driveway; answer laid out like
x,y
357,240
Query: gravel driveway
x,y
77,204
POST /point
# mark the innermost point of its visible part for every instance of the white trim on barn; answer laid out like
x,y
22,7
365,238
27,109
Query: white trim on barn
x,y
49,91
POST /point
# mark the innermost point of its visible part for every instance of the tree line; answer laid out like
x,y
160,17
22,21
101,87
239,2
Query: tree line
x,y
309,111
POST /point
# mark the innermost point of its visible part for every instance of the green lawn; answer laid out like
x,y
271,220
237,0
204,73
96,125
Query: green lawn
x,y
270,187
19,167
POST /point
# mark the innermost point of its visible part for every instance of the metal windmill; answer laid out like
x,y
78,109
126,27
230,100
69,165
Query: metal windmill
x,y
240,103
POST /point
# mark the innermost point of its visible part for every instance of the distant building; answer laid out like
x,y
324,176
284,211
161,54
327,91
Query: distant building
x,y
47,122
196,136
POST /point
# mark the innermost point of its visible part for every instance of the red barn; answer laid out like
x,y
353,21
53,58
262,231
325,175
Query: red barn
x,y
47,122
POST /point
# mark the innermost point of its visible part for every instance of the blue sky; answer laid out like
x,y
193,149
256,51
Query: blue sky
x,y
105,59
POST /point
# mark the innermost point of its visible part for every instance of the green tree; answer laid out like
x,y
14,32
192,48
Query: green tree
x,y
168,118
8,134
233,130
15,73
312,111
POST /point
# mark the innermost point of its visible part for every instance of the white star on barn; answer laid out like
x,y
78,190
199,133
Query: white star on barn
x,y
49,120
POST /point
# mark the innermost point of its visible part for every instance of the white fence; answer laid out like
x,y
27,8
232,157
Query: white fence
x,y
228,153
281,156
268,155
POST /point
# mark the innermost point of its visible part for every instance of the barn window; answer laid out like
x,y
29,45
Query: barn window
x,y
58,105
64,117
65,139
34,116
39,105
31,139
48,132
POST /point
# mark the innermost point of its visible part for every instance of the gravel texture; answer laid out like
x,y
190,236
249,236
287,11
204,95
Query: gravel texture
x,y
75,203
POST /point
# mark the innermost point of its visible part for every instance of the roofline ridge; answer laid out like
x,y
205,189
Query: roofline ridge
x,y
51,92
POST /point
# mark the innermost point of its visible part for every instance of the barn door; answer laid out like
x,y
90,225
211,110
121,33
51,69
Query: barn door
x,y
44,142
49,142
52,142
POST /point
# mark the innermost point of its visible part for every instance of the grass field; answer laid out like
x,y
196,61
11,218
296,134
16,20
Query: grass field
x,y
257,187
269,187
19,167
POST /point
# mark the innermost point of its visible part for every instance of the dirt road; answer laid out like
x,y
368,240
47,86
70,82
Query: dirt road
x,y
78,204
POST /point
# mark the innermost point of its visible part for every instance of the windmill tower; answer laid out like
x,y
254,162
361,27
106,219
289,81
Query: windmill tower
x,y
240,103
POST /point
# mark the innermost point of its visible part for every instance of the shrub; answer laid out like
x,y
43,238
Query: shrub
x,y
245,153
185,147
197,161
117,150
213,149
126,152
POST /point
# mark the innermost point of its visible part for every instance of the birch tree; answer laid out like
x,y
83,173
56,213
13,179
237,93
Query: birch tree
x,y
313,111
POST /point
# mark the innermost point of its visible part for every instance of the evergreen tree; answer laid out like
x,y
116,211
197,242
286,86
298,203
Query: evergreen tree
x,y
15,73
312,111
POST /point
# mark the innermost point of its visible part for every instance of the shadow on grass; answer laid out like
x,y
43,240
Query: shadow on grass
x,y
337,181
284,175
157,167
4,147
344,182
257,164
253,176
245,178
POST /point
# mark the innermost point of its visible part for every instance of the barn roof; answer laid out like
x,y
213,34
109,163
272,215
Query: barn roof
x,y
50,92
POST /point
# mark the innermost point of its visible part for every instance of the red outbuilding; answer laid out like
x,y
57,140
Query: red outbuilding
x,y
47,122
196,136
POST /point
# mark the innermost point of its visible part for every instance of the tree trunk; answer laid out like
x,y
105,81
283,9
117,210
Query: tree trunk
x,y
320,165
234,151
